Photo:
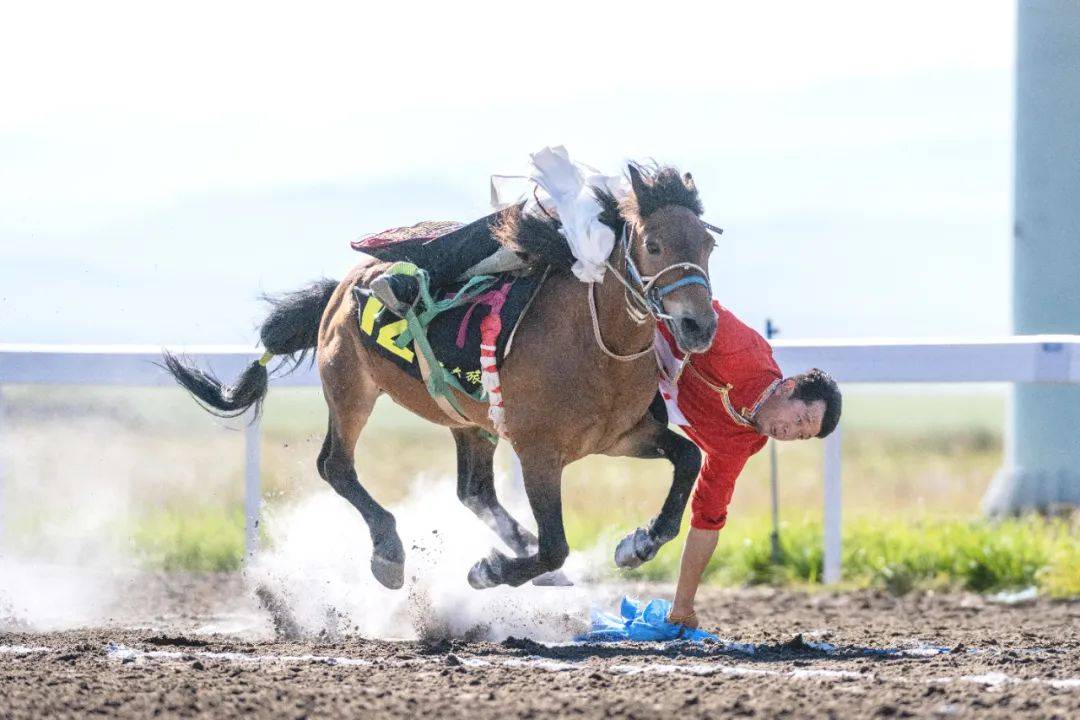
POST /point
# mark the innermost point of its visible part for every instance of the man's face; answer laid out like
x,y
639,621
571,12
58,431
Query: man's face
x,y
789,419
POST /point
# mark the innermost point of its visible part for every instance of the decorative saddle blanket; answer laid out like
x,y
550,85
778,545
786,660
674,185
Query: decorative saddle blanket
x,y
454,335
393,244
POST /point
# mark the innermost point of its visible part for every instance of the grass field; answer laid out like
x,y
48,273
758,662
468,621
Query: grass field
x,y
159,478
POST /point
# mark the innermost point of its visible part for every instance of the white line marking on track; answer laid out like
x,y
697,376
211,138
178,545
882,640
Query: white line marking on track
x,y
991,680
125,654
21,649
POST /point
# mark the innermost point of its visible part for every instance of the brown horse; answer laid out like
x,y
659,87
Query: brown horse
x,y
579,382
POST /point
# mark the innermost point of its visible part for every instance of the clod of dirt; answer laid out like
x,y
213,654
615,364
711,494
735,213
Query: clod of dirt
x,y
798,644
436,646
178,641
526,645
286,626
453,660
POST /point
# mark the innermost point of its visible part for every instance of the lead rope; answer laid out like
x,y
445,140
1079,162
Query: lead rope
x,y
629,308
599,338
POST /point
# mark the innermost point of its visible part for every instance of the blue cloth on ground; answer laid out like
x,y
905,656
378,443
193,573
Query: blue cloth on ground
x,y
640,622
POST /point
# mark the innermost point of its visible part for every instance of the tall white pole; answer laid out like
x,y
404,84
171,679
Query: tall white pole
x,y
3,474
831,571
772,331
774,492
1042,465
252,484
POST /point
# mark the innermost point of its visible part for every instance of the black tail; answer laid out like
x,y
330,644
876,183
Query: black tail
x,y
291,330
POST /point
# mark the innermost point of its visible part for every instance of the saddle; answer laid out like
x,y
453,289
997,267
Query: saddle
x,y
471,301
420,244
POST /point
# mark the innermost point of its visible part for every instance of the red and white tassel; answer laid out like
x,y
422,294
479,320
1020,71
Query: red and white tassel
x,y
490,328
490,381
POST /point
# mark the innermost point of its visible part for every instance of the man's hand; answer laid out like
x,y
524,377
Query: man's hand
x,y
699,548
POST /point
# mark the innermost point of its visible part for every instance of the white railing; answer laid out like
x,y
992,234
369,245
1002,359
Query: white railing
x,y
1020,359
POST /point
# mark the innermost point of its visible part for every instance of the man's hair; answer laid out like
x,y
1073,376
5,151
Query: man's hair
x,y
818,385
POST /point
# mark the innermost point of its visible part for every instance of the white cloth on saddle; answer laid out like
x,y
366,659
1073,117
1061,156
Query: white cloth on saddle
x,y
561,188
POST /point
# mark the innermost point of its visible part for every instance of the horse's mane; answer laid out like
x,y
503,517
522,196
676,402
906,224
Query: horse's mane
x,y
536,240
539,242
654,187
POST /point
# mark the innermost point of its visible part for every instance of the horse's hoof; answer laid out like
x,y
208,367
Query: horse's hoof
x,y
488,572
388,572
555,578
636,548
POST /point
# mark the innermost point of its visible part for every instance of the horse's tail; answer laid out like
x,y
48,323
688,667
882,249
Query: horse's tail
x,y
291,330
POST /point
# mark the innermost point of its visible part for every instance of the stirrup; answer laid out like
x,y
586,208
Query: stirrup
x,y
382,288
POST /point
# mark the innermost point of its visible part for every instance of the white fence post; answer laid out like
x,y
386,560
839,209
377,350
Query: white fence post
x,y
515,496
3,474
831,571
252,482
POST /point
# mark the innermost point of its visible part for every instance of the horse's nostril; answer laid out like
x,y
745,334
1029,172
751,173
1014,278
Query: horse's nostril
x,y
690,326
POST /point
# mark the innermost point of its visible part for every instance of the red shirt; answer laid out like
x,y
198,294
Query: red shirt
x,y
717,391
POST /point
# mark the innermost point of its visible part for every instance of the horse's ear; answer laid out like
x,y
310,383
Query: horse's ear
x,y
637,181
688,181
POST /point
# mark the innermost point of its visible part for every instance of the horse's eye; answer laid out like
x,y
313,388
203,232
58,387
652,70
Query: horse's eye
x,y
652,247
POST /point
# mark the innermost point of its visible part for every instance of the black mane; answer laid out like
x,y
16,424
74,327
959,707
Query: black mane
x,y
536,240
539,242
656,187
610,214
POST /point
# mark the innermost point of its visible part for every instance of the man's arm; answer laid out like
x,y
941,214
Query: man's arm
x,y
700,545
712,493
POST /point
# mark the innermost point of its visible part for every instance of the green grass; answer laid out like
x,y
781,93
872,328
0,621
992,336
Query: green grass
x,y
898,556
210,540
976,555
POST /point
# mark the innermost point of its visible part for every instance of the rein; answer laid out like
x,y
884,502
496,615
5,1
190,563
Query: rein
x,y
645,300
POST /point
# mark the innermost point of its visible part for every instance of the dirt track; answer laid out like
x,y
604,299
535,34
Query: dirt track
x,y
952,655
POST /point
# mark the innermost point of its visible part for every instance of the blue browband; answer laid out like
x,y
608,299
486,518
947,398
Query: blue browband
x,y
650,296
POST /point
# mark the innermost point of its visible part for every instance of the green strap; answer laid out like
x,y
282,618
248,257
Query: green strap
x,y
440,381
433,308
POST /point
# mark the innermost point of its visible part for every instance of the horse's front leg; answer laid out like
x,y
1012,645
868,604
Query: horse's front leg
x,y
542,471
651,438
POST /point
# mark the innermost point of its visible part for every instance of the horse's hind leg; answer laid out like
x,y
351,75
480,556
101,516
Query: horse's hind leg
x,y
651,438
350,404
543,484
476,490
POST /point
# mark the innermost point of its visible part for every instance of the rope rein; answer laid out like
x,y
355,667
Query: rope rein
x,y
599,338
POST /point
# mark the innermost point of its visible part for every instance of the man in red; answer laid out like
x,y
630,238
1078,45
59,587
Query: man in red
x,y
729,400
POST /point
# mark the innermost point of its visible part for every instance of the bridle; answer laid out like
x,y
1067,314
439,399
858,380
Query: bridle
x,y
643,294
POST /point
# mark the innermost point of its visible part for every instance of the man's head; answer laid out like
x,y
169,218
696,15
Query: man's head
x,y
802,406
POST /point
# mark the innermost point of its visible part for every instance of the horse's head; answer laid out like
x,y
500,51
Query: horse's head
x,y
670,245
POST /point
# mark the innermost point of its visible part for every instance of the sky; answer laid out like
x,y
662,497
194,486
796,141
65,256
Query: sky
x,y
162,165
